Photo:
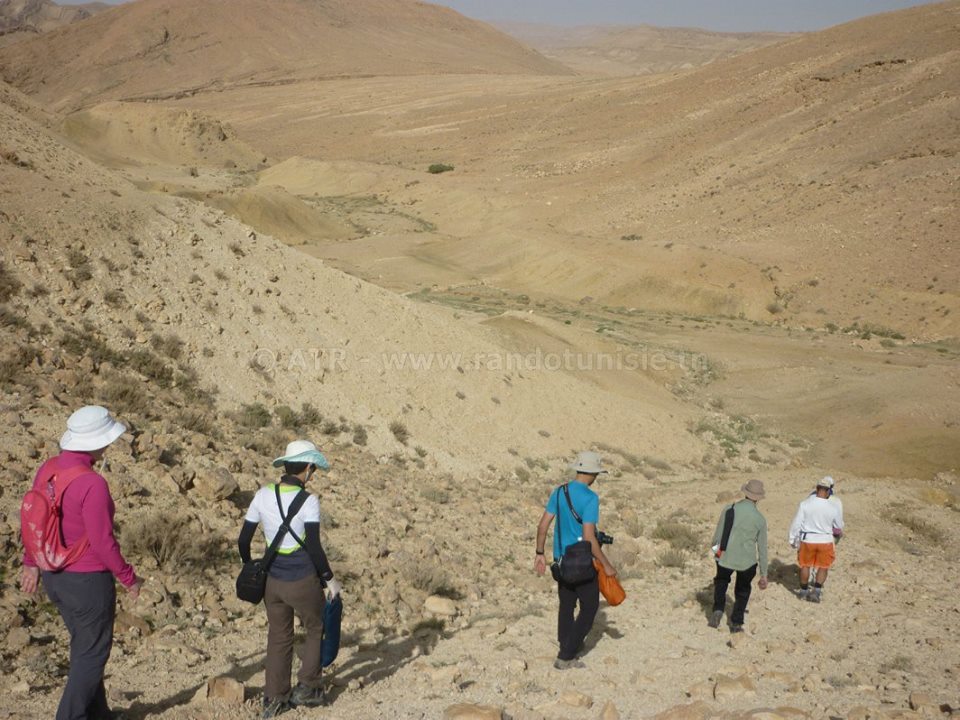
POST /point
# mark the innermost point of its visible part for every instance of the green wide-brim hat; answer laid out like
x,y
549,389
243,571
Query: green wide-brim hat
x,y
302,451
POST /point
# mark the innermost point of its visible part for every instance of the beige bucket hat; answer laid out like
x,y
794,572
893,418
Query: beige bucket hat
x,y
754,490
587,462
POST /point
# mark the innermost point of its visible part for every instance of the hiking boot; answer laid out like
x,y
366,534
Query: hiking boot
x,y
303,696
814,595
736,628
803,593
272,708
572,664
715,619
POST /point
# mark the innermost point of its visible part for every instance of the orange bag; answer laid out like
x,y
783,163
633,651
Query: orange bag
x,y
610,587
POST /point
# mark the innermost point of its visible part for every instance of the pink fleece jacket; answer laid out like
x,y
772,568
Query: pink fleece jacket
x,y
87,510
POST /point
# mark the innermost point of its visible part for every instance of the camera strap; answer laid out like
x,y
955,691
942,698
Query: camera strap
x,y
566,494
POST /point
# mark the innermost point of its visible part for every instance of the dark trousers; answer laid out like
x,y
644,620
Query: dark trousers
x,y
87,603
571,631
741,591
305,598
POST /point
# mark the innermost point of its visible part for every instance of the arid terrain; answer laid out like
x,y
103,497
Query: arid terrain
x,y
454,262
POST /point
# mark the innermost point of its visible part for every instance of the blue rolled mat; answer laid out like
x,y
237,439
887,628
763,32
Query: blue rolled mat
x,y
332,616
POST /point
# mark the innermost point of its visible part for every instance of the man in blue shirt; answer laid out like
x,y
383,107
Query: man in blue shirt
x,y
571,631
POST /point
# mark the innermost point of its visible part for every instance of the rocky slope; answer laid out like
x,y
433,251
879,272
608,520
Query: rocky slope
x,y
173,47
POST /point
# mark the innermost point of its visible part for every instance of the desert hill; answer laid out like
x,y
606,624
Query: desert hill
x,y
809,183
21,19
634,49
165,48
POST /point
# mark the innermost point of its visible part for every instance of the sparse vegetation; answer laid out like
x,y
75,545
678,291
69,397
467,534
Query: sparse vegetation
x,y
671,558
114,298
438,168
359,435
680,536
400,432
10,286
79,264
435,495
254,416
174,544
170,345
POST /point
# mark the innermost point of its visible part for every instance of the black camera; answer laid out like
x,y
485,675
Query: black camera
x,y
603,538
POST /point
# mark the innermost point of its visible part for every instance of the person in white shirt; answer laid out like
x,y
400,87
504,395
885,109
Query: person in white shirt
x,y
815,529
296,580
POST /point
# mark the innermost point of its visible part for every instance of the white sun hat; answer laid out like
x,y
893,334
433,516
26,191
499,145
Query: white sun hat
x,y
90,428
302,451
826,482
587,462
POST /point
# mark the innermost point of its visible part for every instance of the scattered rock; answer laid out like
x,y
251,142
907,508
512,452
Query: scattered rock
x,y
469,711
438,605
226,689
126,622
728,687
609,711
17,639
216,484
919,701
694,711
576,699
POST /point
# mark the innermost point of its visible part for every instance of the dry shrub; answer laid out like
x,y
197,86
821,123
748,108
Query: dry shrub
x,y
9,284
124,394
170,345
196,421
254,415
174,543
677,534
435,495
427,576
672,558
400,431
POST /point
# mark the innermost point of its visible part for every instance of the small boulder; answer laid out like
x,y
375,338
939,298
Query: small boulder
x,y
609,711
576,699
694,711
216,484
469,711
225,689
439,605
920,701
728,687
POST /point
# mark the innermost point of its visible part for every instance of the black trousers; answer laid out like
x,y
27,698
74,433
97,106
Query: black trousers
x,y
87,603
741,591
571,631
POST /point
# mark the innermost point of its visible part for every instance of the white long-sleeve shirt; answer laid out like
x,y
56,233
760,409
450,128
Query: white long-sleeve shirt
x,y
815,521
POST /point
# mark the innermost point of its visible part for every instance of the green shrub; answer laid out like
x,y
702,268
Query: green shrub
x,y
254,415
680,536
438,168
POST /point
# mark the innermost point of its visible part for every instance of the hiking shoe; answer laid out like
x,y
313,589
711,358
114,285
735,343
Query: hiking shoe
x,y
814,596
803,593
573,664
303,696
272,708
715,619
736,628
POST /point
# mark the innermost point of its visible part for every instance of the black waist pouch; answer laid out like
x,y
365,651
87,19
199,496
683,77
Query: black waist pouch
x,y
576,565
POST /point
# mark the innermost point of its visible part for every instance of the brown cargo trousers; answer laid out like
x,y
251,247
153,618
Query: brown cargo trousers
x,y
305,598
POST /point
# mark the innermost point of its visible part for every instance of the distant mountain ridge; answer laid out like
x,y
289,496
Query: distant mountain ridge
x,y
162,48
23,18
635,49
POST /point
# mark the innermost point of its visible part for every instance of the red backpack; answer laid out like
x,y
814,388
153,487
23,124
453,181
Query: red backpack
x,y
41,518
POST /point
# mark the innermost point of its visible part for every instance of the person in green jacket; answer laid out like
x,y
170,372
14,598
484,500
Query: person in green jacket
x,y
747,543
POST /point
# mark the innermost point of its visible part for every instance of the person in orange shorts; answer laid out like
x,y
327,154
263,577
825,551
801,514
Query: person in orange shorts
x,y
815,529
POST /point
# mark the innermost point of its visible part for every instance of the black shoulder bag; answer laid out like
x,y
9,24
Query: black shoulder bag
x,y
576,564
725,534
252,581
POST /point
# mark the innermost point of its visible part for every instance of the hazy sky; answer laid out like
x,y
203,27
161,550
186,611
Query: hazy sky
x,y
728,15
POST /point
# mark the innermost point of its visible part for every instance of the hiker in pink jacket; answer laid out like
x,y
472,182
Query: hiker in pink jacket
x,y
84,591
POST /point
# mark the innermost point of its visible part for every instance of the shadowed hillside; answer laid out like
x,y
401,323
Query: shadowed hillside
x,y
169,47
